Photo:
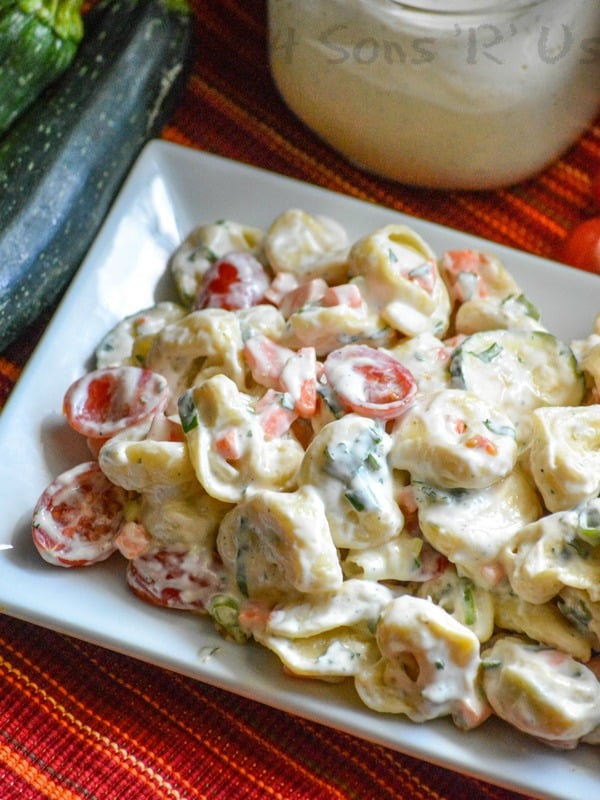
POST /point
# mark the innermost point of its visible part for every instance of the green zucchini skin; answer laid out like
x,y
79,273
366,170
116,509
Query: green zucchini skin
x,y
38,42
63,162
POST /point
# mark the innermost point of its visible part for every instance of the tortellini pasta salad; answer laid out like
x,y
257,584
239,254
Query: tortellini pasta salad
x,y
371,459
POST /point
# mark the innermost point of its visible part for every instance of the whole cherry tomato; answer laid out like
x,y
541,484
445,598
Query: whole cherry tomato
x,y
581,248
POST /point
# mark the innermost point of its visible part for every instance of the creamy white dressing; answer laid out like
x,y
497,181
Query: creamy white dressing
x,y
426,357
356,602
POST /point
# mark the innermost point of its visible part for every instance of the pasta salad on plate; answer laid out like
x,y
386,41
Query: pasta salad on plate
x,y
371,458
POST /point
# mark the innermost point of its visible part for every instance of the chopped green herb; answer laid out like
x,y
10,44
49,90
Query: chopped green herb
x,y
188,411
500,430
372,462
285,401
581,547
469,602
578,615
489,354
356,500
203,251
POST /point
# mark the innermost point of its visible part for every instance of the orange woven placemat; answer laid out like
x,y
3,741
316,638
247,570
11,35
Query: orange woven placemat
x,y
78,721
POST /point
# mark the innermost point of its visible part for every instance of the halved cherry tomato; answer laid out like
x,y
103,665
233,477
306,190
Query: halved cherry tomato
x,y
177,577
235,281
581,248
107,401
369,381
77,518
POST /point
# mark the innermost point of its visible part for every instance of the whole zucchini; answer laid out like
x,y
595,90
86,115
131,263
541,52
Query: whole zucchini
x,y
38,41
64,160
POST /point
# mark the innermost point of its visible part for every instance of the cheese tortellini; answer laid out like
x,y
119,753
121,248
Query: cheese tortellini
x,y
402,280
230,450
346,463
429,666
307,246
279,543
564,456
557,550
541,691
454,440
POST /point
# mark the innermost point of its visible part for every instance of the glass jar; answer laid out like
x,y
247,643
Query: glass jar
x,y
471,94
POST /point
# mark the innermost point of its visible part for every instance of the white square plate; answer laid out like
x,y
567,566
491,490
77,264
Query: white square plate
x,y
169,190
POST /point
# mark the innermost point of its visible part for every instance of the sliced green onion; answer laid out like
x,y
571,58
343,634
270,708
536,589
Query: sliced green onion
x,y
589,524
490,663
225,610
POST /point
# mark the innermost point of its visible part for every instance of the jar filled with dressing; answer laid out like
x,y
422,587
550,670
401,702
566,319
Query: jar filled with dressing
x,y
455,94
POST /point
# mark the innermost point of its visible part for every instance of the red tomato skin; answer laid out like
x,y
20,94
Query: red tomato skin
x,y
388,386
176,577
106,401
235,281
581,248
78,516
